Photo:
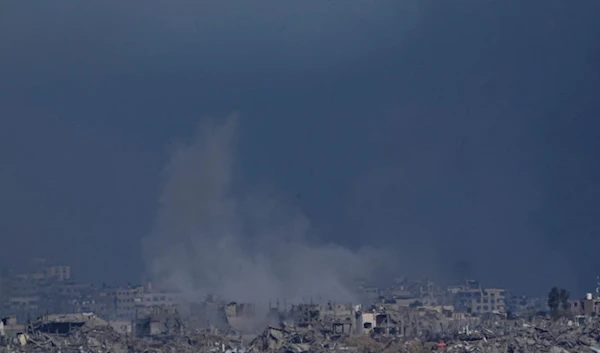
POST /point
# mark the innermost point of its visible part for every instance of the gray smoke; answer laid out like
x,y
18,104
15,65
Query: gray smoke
x,y
246,247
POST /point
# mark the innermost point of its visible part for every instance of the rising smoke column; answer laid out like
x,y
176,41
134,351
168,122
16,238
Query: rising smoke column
x,y
244,247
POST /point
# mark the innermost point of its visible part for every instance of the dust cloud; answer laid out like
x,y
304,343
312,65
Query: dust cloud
x,y
245,247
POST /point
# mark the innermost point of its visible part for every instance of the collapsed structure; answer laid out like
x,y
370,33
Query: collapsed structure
x,y
408,316
307,328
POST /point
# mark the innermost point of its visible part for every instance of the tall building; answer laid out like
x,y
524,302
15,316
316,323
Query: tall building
x,y
125,301
474,299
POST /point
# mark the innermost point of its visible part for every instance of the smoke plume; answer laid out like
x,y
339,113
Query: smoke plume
x,y
247,247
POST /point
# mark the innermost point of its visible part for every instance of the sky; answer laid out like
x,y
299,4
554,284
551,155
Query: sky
x,y
455,138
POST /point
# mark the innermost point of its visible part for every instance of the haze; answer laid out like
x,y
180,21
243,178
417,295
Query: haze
x,y
461,137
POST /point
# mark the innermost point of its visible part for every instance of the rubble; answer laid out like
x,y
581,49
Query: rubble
x,y
292,339
105,339
541,334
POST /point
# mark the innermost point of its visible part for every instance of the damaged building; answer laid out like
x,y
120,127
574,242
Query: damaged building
x,y
474,299
336,318
242,317
62,324
153,321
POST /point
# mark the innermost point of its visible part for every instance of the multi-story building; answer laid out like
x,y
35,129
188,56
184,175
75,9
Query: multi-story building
x,y
22,307
125,301
46,270
474,299
58,272
157,299
588,306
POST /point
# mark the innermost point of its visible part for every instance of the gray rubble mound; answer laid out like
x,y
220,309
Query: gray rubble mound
x,y
504,336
